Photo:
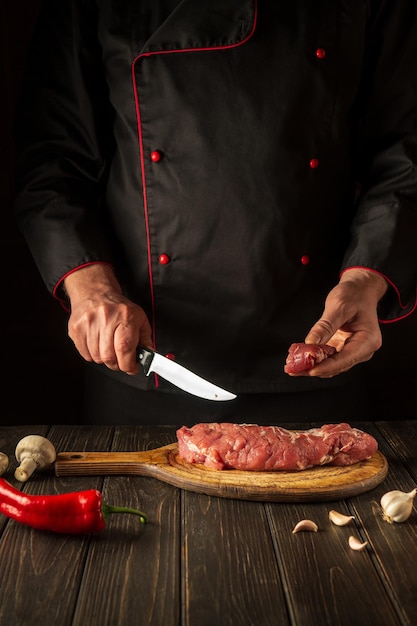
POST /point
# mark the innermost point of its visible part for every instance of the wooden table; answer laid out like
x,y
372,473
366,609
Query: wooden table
x,y
208,561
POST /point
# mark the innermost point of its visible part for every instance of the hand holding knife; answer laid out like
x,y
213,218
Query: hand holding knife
x,y
180,376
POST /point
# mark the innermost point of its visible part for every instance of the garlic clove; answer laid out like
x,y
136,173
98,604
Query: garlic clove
x,y
357,545
305,524
397,505
339,519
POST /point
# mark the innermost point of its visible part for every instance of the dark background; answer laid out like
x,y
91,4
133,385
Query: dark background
x,y
41,370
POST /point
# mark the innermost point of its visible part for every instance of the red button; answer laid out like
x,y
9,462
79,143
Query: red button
x,y
156,156
314,163
170,356
320,53
164,259
305,259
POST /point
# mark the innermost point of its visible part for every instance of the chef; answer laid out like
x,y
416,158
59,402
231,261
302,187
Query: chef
x,y
217,179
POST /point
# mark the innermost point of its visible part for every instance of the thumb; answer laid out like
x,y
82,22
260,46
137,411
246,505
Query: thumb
x,y
321,332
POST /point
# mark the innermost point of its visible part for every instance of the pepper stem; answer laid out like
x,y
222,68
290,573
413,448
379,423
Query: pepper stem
x,y
108,509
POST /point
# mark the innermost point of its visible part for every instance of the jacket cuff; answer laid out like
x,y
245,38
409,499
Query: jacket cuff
x,y
394,305
59,292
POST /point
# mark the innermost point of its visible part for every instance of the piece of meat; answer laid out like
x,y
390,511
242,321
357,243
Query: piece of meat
x,y
263,448
304,356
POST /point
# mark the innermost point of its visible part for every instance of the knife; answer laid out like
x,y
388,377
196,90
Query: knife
x,y
180,376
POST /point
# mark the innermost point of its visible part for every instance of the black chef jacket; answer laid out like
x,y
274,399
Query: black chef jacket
x,y
229,158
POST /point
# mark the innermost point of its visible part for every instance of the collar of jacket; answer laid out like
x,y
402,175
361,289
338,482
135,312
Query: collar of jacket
x,y
204,24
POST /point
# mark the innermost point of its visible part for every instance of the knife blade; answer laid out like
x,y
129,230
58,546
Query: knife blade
x,y
180,376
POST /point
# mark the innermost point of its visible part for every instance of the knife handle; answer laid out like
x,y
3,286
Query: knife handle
x,y
145,357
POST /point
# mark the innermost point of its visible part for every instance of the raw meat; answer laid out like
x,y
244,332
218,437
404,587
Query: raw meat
x,y
263,448
304,356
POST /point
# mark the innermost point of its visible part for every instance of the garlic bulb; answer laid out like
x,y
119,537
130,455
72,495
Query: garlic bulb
x,y
397,505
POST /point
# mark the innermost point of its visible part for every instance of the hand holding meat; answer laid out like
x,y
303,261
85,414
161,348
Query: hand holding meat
x,y
349,324
105,326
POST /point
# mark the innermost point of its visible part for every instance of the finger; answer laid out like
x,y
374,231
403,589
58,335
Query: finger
x,y
337,365
357,349
101,346
81,346
322,331
126,339
78,338
104,354
145,337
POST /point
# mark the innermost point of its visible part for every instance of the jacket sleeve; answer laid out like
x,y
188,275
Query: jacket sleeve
x,y
385,227
63,136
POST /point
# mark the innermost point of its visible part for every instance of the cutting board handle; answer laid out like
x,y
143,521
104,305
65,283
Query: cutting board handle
x,y
315,484
105,463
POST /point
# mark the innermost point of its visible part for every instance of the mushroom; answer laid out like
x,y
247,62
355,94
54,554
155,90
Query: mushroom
x,y
33,452
4,463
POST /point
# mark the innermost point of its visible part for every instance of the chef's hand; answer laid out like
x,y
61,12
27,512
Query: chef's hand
x,y
105,326
349,322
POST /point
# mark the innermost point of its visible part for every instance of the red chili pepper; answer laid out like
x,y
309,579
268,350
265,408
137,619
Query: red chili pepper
x,y
74,512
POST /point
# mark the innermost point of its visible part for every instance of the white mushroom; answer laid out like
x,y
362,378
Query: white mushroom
x,y
4,463
33,452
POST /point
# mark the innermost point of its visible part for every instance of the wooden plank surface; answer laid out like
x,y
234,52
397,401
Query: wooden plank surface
x,y
317,566
230,574
132,573
208,560
394,546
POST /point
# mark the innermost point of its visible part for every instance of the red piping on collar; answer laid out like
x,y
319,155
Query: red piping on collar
x,y
141,149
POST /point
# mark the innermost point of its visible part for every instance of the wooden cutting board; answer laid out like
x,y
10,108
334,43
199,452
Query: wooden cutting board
x,y
165,464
